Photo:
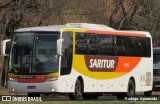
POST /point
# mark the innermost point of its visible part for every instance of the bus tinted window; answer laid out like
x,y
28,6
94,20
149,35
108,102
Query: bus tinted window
x,y
132,46
145,47
112,45
120,46
67,53
94,44
107,45
81,43
156,59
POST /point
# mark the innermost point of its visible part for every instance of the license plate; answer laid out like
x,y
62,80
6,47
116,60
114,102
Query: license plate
x,y
31,87
26,77
157,85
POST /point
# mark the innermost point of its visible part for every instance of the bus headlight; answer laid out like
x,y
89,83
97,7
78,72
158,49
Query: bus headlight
x,y
52,79
12,79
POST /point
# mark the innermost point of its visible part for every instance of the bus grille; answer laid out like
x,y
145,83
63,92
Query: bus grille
x,y
156,72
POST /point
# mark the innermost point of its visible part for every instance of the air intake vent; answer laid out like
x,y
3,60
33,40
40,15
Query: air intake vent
x,y
88,26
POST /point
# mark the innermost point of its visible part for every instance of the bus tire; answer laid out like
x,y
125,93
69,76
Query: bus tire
x,y
77,92
131,88
33,95
87,96
148,93
130,91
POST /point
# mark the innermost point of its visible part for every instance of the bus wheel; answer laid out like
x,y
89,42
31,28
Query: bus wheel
x,y
148,93
131,88
33,95
130,91
78,91
90,96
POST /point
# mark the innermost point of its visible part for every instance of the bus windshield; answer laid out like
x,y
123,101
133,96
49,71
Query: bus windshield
x,y
34,53
156,59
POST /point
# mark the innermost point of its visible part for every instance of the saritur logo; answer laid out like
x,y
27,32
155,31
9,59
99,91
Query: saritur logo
x,y
101,63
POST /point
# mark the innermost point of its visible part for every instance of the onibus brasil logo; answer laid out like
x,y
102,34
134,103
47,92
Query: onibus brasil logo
x,y
20,98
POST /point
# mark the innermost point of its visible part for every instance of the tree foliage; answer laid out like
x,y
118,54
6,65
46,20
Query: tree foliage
x,y
120,14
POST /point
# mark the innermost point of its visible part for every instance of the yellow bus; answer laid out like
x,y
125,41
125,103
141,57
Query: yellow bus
x,y
81,60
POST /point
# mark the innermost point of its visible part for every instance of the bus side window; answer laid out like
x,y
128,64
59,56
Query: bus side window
x,y
132,46
145,47
121,49
82,43
94,44
66,62
107,45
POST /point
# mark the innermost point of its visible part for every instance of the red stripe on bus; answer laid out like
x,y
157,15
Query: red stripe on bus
x,y
116,33
36,79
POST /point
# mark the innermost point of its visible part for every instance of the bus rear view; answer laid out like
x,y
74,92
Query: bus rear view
x,y
156,69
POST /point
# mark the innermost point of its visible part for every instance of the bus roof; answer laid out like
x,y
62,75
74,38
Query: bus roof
x,y
156,50
68,25
41,28
86,26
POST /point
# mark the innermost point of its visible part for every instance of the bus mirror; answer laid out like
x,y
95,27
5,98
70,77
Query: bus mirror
x,y
5,47
59,47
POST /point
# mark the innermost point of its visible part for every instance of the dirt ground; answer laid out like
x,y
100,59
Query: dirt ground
x,y
5,91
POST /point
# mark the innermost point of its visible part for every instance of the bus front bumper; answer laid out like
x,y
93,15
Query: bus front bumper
x,y
156,83
46,87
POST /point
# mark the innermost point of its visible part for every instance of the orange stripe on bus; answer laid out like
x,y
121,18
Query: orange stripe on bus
x,y
127,64
116,33
124,66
